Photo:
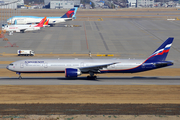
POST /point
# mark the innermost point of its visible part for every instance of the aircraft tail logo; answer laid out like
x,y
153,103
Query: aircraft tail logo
x,y
71,13
41,22
46,22
161,53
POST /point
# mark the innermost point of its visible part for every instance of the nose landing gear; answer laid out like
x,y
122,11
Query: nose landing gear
x,y
19,75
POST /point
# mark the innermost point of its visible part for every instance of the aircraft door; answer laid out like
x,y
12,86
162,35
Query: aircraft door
x,y
82,64
21,65
45,65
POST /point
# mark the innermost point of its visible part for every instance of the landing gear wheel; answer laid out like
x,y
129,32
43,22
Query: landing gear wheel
x,y
20,77
91,77
94,77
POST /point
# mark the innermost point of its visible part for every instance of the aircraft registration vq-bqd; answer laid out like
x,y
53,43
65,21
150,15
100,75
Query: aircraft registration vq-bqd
x,y
75,67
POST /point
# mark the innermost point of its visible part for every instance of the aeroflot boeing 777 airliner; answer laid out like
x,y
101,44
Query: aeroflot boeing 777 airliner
x,y
75,67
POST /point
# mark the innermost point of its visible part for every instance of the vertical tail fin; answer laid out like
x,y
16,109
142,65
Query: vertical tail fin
x,y
46,23
161,53
71,13
74,16
15,22
41,22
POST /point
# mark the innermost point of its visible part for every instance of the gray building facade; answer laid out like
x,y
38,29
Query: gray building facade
x,y
46,2
145,3
8,4
57,4
60,4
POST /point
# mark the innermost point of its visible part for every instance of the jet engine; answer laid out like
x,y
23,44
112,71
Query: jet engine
x,y
72,72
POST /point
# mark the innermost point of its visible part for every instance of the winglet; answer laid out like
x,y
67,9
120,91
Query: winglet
x,y
161,53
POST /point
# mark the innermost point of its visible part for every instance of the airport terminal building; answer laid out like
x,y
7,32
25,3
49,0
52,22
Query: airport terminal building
x,y
61,4
8,4
140,3
145,3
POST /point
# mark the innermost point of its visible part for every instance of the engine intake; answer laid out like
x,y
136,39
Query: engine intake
x,y
72,72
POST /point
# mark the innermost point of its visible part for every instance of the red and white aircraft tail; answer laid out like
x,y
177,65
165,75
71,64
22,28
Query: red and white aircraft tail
x,y
46,23
41,23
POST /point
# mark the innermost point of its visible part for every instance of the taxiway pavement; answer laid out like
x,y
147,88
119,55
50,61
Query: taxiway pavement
x,y
83,81
129,38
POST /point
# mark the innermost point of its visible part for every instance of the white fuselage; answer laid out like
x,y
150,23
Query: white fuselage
x,y
75,67
19,28
59,65
32,19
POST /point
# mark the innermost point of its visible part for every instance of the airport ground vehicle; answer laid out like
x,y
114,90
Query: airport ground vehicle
x,y
25,53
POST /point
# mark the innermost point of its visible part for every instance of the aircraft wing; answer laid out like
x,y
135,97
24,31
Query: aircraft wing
x,y
95,68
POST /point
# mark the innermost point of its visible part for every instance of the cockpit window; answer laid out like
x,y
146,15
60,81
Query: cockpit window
x,y
11,64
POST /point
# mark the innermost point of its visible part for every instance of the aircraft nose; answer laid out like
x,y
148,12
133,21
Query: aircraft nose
x,y
7,67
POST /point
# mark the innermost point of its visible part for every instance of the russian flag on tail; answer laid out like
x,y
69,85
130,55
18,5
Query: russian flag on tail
x,y
161,53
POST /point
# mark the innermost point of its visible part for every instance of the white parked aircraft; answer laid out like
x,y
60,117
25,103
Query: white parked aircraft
x,y
69,16
75,67
23,28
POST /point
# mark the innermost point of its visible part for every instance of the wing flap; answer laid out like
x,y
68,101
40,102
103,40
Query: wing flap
x,y
95,68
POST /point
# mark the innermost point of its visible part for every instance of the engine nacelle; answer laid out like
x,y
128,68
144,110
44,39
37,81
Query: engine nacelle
x,y
72,72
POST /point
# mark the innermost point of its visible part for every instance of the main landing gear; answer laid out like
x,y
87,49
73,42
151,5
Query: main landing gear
x,y
19,75
91,76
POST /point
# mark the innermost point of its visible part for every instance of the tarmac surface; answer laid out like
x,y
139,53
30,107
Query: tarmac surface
x,y
125,37
83,81
130,38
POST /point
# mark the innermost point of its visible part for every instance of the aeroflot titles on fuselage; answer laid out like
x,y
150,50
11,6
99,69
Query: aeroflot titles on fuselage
x,y
34,62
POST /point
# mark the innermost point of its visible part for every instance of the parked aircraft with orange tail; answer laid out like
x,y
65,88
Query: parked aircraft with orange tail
x,y
24,28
